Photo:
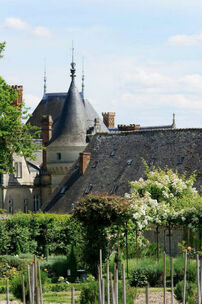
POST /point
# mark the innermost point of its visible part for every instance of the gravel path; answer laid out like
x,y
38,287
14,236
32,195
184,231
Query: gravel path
x,y
154,298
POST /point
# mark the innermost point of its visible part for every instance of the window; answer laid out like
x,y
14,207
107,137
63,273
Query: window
x,y
59,156
18,170
129,162
63,190
112,154
10,206
88,189
94,165
1,179
114,188
25,206
36,203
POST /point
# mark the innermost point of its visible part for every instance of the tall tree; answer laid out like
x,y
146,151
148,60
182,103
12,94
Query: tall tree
x,y
16,137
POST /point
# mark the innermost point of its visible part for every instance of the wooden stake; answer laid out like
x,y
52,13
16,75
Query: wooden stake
x,y
112,288
147,294
36,281
198,279
99,286
124,284
117,286
185,276
72,296
108,288
101,264
29,284
7,291
115,283
171,277
164,280
32,283
103,291
40,284
23,289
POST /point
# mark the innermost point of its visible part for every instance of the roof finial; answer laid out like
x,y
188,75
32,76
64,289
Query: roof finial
x,y
44,79
83,78
174,122
73,70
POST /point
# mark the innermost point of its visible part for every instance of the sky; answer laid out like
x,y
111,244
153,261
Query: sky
x,y
142,58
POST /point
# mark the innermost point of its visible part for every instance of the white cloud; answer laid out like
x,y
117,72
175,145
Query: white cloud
x,y
186,40
31,101
15,23
18,24
41,31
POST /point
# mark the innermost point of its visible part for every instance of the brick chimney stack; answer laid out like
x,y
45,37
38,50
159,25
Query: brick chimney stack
x,y
46,129
108,119
19,89
84,161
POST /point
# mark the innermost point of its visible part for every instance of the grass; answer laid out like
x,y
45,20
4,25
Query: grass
x,y
60,297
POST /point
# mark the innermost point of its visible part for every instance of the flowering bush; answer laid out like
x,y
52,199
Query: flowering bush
x,y
165,197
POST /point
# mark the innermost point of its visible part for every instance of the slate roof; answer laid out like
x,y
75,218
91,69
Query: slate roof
x,y
52,104
117,159
71,127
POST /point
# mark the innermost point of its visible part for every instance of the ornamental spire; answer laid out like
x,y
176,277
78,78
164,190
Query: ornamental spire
x,y
174,122
73,64
44,79
83,78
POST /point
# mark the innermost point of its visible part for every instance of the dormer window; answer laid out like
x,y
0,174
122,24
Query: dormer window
x,y
59,156
18,170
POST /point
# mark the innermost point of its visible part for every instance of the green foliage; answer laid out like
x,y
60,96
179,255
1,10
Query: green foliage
x,y
16,287
100,214
2,47
145,273
72,265
179,270
191,292
15,137
89,293
32,233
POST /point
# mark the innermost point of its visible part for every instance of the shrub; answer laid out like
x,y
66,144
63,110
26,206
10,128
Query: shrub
x,y
147,272
89,293
179,270
191,292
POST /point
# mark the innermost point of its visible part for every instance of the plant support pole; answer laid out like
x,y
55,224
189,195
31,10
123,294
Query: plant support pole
x,y
172,285
198,279
72,296
124,284
108,288
164,280
23,289
7,292
185,276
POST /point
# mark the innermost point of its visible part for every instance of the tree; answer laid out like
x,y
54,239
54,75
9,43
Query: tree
x,y
102,217
15,136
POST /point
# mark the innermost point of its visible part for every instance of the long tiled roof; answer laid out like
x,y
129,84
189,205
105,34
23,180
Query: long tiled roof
x,y
117,159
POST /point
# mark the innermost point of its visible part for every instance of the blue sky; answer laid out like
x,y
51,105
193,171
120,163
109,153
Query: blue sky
x,y
143,59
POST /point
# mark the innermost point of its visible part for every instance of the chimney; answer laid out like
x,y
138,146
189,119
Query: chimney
x,y
131,127
19,89
46,124
108,119
84,161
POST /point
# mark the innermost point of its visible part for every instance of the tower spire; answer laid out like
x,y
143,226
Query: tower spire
x,y
174,122
83,78
44,79
73,64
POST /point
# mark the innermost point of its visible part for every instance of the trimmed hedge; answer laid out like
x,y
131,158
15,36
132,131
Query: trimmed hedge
x,y
34,233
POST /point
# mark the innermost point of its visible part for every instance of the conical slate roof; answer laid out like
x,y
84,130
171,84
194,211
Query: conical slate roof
x,y
71,126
